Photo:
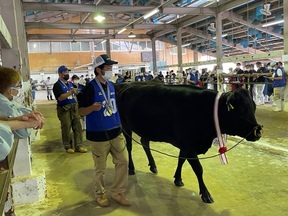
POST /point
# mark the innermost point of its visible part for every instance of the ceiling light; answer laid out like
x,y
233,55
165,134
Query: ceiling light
x,y
103,41
185,45
99,17
151,13
131,35
122,30
224,35
273,23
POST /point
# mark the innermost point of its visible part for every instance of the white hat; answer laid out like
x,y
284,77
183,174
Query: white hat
x,y
103,59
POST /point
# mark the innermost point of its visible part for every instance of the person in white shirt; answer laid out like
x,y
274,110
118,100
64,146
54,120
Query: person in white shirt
x,y
48,87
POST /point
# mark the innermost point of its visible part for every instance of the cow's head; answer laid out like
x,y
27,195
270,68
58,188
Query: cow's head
x,y
241,115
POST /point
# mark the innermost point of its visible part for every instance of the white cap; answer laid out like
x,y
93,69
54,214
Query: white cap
x,y
103,59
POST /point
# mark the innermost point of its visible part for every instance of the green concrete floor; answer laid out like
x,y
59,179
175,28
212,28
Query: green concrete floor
x,y
253,183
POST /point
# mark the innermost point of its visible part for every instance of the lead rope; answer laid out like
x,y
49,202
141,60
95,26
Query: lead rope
x,y
221,139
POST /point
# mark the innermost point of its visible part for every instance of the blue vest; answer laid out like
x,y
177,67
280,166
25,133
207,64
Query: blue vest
x,y
65,89
279,83
98,120
194,77
119,80
149,77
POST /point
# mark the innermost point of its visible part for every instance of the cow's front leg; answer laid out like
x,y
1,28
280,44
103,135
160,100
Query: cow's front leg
x,y
178,177
146,146
198,170
128,137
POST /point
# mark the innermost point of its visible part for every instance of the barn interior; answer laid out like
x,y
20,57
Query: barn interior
x,y
212,32
245,26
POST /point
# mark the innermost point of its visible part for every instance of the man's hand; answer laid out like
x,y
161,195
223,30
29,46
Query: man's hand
x,y
96,106
33,123
74,91
33,117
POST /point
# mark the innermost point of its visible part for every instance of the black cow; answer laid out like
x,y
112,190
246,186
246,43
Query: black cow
x,y
146,146
161,118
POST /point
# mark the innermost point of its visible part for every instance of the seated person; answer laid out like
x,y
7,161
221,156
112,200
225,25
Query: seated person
x,y
9,91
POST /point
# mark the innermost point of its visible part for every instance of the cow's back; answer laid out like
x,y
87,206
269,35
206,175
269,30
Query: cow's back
x,y
166,113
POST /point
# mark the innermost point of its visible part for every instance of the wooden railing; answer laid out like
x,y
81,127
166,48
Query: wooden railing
x,y
227,79
6,167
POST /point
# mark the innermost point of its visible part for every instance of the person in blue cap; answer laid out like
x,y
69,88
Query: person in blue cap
x,y
67,112
103,130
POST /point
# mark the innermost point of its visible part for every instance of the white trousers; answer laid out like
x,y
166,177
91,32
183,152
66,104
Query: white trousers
x,y
257,93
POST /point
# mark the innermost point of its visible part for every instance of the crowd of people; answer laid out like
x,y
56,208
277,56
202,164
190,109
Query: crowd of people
x,y
266,82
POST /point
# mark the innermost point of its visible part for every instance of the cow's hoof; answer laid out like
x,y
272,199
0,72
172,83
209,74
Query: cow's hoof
x,y
207,198
178,182
131,172
153,170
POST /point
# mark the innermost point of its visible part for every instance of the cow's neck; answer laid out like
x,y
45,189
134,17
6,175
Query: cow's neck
x,y
223,112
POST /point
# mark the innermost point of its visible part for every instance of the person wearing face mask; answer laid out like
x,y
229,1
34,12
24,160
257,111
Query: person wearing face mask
x,y
10,86
76,83
268,90
279,83
259,86
67,112
103,131
192,78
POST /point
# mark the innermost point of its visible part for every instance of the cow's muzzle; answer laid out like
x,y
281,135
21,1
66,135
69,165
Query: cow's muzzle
x,y
258,132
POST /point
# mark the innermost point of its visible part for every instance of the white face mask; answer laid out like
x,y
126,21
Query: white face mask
x,y
16,97
76,81
108,75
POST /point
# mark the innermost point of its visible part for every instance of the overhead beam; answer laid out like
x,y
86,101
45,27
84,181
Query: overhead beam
x,y
237,18
188,20
224,41
166,40
65,37
232,4
81,22
32,6
47,25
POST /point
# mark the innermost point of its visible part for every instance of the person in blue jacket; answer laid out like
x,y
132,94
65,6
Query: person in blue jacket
x,y
103,130
67,112
192,78
279,83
